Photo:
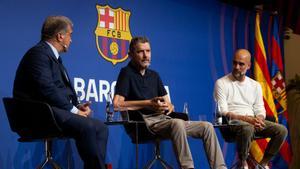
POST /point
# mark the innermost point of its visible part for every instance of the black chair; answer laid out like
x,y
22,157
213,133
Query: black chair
x,y
33,121
229,137
140,134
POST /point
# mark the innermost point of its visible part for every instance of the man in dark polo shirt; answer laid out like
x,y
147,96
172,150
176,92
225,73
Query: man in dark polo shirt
x,y
140,88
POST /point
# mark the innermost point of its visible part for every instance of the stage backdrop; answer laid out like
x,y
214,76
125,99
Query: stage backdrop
x,y
192,44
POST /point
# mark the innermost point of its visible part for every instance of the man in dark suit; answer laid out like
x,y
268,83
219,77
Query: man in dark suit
x,y
41,76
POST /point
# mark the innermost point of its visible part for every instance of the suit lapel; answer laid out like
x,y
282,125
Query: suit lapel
x,y
62,69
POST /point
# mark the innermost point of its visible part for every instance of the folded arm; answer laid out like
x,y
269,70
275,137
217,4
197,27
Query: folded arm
x,y
157,104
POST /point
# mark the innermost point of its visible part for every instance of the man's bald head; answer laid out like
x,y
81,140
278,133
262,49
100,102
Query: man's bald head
x,y
241,63
243,54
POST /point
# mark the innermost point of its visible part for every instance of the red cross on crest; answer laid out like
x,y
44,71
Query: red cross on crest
x,y
106,18
278,82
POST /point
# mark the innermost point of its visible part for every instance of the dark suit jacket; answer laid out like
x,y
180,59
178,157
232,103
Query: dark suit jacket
x,y
41,77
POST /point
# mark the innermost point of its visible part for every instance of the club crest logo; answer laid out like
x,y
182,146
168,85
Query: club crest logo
x,y
112,33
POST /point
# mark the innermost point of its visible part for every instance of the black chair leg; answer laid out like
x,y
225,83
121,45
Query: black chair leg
x,y
157,157
235,165
150,164
164,164
49,158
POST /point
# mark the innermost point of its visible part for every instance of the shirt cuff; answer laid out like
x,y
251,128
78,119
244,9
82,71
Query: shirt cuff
x,y
74,110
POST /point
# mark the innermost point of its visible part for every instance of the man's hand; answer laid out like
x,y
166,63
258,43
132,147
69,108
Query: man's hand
x,y
84,106
170,108
84,109
159,105
257,122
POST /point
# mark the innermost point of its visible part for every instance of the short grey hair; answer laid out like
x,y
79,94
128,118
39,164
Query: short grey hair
x,y
53,25
136,40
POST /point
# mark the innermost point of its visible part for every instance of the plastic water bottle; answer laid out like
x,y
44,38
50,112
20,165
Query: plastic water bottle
x,y
109,108
186,110
218,117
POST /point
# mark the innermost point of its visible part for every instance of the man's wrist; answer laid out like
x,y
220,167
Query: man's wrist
x,y
260,117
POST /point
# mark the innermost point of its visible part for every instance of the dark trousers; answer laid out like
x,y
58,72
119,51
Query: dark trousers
x,y
90,136
243,133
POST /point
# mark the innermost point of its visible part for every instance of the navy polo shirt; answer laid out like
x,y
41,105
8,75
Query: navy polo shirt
x,y
134,86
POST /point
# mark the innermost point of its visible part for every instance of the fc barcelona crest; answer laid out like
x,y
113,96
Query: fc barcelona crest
x,y
112,33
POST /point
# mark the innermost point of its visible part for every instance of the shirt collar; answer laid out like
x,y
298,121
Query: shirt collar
x,y
54,50
133,67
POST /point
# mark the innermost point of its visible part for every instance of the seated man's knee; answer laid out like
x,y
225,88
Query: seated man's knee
x,y
101,128
247,130
89,127
208,126
177,123
282,131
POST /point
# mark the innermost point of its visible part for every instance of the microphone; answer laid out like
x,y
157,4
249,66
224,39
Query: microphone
x,y
65,47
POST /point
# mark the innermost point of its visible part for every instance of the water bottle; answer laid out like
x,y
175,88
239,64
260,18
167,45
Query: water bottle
x,y
109,108
218,117
186,110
